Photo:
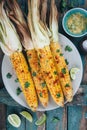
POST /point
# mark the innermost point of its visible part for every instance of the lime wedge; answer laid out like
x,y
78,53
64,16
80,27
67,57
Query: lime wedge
x,y
14,120
27,115
73,72
41,120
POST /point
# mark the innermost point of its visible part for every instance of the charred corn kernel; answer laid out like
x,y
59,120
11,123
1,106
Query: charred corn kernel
x,y
50,74
63,71
25,79
40,84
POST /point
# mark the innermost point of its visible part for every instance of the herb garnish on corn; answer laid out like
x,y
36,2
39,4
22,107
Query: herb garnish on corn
x,y
11,46
60,62
22,28
41,43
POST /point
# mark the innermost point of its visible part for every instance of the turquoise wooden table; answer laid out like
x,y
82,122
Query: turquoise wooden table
x,y
73,116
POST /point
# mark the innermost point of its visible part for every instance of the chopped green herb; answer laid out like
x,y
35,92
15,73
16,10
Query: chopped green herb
x,y
29,57
64,70
9,75
39,55
63,6
47,61
16,80
39,62
67,85
40,94
34,74
66,61
61,54
43,84
55,72
18,91
29,68
27,84
55,119
68,48
58,95
58,50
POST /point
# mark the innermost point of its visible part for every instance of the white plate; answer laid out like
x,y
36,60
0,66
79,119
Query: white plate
x,y
74,61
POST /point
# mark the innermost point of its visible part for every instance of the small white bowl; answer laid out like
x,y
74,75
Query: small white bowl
x,y
66,17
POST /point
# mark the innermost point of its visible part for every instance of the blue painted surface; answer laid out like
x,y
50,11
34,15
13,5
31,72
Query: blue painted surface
x,y
26,125
74,117
77,2
50,124
16,110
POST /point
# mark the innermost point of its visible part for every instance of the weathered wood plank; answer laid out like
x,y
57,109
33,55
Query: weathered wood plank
x,y
84,81
74,117
6,98
16,110
52,125
31,126
83,122
2,117
25,124
42,127
77,3
65,118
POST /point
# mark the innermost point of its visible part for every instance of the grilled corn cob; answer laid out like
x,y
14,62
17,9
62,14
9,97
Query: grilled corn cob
x,y
21,68
11,46
26,40
41,43
50,74
63,71
40,84
60,63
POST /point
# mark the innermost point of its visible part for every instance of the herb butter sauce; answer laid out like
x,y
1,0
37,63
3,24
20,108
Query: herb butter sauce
x,y
77,23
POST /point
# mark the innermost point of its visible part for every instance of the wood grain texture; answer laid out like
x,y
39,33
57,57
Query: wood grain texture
x,y
52,125
6,98
31,126
74,117
84,81
2,117
15,110
42,127
65,118
83,122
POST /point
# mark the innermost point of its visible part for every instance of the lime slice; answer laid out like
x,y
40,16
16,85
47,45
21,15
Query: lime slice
x,y
27,115
41,120
73,72
14,120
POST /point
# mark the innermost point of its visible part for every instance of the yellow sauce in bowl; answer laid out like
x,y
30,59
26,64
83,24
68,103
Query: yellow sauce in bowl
x,y
77,23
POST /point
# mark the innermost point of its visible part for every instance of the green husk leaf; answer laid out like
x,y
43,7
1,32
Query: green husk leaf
x,y
20,23
9,40
53,22
39,34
